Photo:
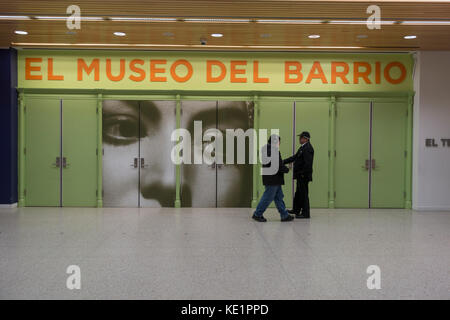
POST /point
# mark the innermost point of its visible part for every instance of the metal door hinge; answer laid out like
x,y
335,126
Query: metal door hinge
x,y
328,153
406,153
24,150
404,194
96,193
335,194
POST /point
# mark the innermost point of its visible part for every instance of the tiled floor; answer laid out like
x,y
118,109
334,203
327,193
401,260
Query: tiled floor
x,y
222,254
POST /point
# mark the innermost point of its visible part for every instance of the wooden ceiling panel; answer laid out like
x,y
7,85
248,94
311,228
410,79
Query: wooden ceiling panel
x,y
237,36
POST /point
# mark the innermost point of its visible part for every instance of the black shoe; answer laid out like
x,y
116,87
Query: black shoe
x,y
301,216
260,219
292,212
288,218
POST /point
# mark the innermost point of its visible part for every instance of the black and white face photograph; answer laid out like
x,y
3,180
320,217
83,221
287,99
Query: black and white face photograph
x,y
137,167
138,170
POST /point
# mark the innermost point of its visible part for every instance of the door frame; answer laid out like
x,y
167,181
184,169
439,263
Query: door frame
x,y
255,96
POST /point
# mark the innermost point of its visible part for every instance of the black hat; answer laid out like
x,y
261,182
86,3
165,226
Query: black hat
x,y
305,134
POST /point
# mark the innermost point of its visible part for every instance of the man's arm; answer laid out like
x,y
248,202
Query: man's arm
x,y
283,169
290,159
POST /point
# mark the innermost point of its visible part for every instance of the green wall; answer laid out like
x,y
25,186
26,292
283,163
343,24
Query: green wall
x,y
59,75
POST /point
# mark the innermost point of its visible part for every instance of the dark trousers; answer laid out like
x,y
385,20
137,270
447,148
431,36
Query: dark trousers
x,y
301,197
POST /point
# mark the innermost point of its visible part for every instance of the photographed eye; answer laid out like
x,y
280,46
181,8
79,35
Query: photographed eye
x,y
120,129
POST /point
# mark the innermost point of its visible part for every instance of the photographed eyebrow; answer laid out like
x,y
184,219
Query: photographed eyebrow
x,y
120,107
208,115
150,111
237,116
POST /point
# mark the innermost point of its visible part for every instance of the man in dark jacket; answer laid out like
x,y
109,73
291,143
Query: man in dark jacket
x,y
303,168
273,178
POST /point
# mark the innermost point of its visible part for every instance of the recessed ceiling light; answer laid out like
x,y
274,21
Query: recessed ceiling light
x,y
143,19
168,34
288,21
357,22
62,18
314,36
14,18
20,32
216,35
426,22
120,34
213,20
265,35
410,37
362,36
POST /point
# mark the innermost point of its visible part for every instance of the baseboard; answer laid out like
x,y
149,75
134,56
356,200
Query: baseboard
x,y
11,205
431,208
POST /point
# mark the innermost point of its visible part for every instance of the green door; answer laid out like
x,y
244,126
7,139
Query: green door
x,y
79,152
42,143
352,154
312,115
388,154
279,115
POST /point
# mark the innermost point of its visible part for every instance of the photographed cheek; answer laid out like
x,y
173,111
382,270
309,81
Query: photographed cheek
x,y
230,176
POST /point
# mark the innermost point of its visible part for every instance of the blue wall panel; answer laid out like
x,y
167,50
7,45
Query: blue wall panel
x,y
8,126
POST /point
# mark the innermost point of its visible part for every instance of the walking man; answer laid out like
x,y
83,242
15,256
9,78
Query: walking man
x,y
273,179
303,168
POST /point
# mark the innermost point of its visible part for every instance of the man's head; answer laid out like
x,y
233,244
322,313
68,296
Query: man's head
x,y
274,140
304,137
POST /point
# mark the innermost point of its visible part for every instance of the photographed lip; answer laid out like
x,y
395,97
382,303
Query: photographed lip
x,y
164,195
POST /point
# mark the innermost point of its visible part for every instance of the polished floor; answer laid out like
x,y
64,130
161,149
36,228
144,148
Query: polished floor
x,y
222,254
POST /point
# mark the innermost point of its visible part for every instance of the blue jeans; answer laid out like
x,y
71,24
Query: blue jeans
x,y
272,193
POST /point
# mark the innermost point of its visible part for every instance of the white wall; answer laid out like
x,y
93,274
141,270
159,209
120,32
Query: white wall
x,y
431,165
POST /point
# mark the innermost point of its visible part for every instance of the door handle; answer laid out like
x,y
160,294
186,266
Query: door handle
x,y
374,164
64,162
366,165
57,163
135,163
143,165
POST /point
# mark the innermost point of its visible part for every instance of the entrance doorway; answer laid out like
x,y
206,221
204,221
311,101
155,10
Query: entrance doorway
x,y
370,157
217,184
60,152
137,167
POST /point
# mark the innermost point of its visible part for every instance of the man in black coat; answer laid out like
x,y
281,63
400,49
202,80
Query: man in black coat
x,y
273,178
303,168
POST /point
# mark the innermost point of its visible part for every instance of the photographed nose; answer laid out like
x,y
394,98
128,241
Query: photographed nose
x,y
156,162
